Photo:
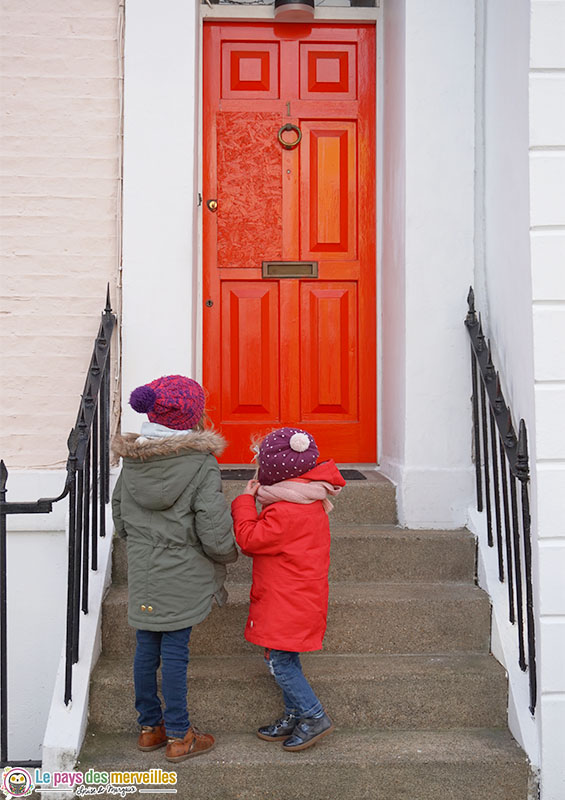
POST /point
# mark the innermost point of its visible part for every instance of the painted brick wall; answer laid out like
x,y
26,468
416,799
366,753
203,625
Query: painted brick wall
x,y
547,237
60,195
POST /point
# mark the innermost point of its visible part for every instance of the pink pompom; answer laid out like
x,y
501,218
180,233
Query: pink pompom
x,y
142,399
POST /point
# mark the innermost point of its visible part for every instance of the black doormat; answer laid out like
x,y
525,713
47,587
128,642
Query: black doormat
x,y
237,474
247,474
353,475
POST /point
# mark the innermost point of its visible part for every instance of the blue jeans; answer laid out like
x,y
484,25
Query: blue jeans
x,y
298,695
170,649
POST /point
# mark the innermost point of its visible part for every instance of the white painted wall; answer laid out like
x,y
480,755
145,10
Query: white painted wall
x,y
547,238
393,300
521,291
36,627
426,432
40,726
503,280
502,284
160,193
36,593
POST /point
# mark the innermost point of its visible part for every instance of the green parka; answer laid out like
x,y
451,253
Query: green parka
x,y
169,506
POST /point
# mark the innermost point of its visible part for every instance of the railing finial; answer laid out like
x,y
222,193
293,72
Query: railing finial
x,y
81,419
3,476
499,404
95,363
490,370
72,442
510,436
471,318
522,465
108,309
480,337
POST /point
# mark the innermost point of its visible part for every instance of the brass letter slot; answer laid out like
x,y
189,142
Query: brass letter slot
x,y
290,269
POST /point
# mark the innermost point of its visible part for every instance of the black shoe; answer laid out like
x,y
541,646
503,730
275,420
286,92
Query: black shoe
x,y
279,730
307,732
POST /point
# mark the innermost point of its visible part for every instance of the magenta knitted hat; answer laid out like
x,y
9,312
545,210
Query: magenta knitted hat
x,y
173,401
286,453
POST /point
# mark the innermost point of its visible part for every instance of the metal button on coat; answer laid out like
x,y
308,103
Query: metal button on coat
x,y
150,608
143,608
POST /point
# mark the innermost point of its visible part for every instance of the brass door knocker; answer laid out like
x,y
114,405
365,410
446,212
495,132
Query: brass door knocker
x,y
290,127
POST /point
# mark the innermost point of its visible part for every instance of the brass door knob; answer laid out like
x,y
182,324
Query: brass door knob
x,y
212,205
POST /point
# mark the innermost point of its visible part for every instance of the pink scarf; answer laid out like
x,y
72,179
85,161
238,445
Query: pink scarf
x,y
298,491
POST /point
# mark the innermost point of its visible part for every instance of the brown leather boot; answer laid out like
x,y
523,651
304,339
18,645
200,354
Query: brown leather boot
x,y
152,737
193,744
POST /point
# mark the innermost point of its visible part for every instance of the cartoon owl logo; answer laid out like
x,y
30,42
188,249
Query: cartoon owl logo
x,y
16,782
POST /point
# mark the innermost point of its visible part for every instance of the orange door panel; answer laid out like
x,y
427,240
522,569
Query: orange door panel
x,y
297,350
329,346
250,350
329,190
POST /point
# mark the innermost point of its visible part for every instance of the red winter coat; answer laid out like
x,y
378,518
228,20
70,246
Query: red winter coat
x,y
290,547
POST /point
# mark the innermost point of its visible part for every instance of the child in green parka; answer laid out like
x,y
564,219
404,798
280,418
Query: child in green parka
x,y
169,507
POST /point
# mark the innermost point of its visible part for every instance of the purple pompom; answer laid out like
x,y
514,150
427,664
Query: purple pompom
x,y
142,399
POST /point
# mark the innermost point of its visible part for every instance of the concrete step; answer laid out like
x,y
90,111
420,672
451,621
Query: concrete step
x,y
372,553
372,501
237,693
357,765
363,618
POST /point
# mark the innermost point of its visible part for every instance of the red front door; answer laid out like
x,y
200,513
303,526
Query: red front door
x,y
290,343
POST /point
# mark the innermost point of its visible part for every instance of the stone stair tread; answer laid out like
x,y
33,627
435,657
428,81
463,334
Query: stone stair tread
x,y
352,764
349,746
396,532
345,667
375,617
347,591
373,499
357,765
363,552
234,692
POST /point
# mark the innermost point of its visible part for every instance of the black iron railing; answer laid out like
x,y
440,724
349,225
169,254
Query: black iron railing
x,y
502,478
88,488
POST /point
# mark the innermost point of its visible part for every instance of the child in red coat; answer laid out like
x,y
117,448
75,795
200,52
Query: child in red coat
x,y
289,542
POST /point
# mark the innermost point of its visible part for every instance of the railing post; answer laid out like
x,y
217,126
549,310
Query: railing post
x,y
471,322
507,535
71,478
523,471
94,444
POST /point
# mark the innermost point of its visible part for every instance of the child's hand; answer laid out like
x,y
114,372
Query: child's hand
x,y
252,487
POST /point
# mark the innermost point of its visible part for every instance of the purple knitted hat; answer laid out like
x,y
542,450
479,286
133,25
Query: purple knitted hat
x,y
286,453
173,401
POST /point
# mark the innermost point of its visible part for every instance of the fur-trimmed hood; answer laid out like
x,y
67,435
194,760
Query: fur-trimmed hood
x,y
207,441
